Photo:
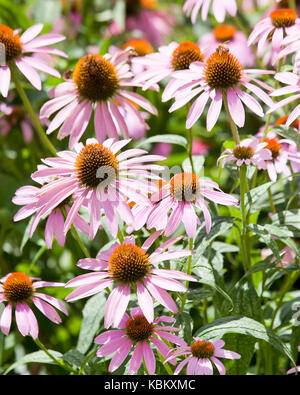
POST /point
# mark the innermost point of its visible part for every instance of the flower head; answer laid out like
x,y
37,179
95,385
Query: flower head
x,y
202,354
162,64
279,23
182,196
292,82
16,50
99,83
219,8
249,151
137,333
130,268
19,291
97,178
221,74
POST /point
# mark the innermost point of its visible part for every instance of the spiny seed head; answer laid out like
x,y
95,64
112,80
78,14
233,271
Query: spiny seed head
x,y
138,328
224,32
274,146
186,53
185,187
241,152
94,164
96,78
141,46
11,42
202,349
128,263
17,287
222,70
283,17
282,120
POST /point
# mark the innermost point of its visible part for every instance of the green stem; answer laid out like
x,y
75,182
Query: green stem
x,y
275,87
81,245
190,144
57,361
190,149
233,127
120,235
244,235
166,365
188,271
292,5
29,108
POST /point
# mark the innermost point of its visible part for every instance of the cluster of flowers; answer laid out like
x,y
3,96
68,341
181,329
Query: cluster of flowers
x,y
125,186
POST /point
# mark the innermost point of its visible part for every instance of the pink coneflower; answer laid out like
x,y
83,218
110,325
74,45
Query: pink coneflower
x,y
235,40
293,86
13,116
183,195
279,23
16,48
249,151
281,155
130,268
202,354
222,74
137,333
99,83
219,9
162,64
33,200
18,290
96,176
291,45
296,369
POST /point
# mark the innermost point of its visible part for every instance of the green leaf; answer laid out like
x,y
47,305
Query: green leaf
x,y
289,220
35,357
74,357
93,313
288,132
220,226
165,138
245,326
266,237
255,194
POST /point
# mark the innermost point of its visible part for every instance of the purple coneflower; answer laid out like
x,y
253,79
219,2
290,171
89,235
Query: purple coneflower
x,y
137,333
99,178
281,22
162,64
220,77
249,151
130,268
281,155
287,255
99,83
33,200
202,354
219,8
183,195
16,50
18,290
292,81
